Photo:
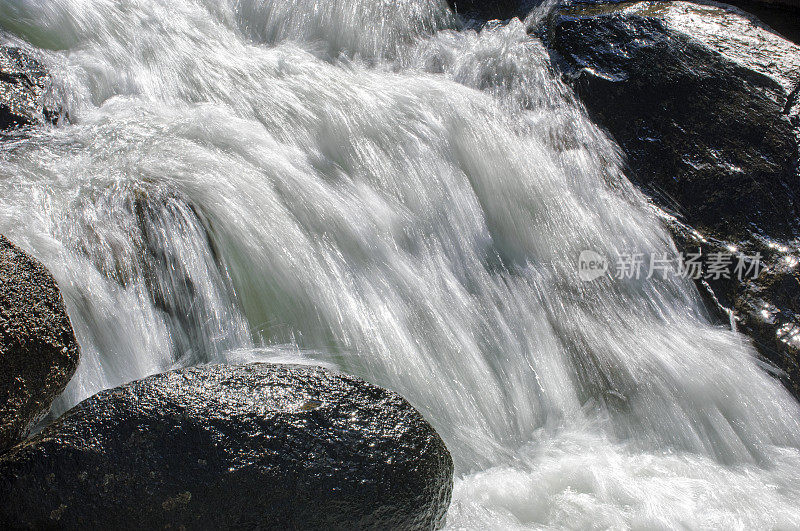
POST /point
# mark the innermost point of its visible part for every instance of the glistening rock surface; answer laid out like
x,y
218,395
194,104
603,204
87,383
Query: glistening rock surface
x,y
38,349
25,90
255,446
704,102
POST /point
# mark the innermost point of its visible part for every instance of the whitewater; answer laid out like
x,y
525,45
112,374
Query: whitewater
x,y
372,186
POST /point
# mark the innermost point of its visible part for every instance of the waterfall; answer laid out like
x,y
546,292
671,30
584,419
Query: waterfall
x,y
365,184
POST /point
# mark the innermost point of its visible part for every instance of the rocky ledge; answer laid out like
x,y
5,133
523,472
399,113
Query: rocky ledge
x,y
703,99
253,446
37,345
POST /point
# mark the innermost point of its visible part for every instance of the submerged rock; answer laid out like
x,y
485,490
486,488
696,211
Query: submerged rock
x,y
38,349
254,446
25,90
703,99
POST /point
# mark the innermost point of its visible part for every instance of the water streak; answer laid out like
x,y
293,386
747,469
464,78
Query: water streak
x,y
366,184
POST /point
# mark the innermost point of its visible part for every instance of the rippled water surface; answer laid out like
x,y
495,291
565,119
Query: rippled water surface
x,y
368,185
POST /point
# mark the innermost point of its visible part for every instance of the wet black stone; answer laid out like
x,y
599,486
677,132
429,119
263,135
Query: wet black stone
x,y
25,91
492,9
763,307
38,350
255,446
708,133
704,102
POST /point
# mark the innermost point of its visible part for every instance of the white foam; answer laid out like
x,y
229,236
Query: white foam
x,y
406,203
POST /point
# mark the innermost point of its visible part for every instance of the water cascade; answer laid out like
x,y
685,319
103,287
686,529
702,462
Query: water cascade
x,y
367,185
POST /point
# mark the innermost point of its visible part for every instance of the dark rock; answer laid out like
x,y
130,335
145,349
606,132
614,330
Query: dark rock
x,y
786,4
492,9
25,91
783,16
254,446
795,4
703,99
37,345
763,304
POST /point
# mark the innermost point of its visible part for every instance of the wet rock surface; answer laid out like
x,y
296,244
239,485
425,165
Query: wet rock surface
x,y
703,100
25,91
38,349
255,446
491,9
763,300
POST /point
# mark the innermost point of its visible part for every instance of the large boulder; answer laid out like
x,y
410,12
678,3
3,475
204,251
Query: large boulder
x,y
25,90
252,446
703,99
38,349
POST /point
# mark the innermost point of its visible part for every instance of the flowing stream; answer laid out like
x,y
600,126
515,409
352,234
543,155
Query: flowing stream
x,y
367,185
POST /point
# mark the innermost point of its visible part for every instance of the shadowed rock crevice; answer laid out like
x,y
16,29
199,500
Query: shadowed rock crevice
x,y
492,9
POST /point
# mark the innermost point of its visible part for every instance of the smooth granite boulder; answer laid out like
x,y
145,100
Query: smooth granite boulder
x,y
258,446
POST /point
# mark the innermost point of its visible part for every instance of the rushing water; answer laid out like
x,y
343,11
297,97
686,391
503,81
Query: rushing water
x,y
367,185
